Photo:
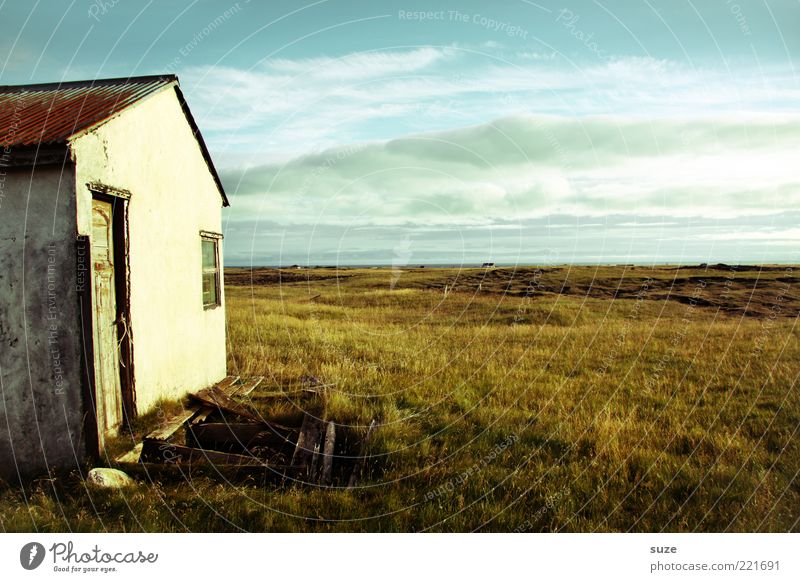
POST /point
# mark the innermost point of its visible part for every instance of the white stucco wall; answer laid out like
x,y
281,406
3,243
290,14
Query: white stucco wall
x,y
149,150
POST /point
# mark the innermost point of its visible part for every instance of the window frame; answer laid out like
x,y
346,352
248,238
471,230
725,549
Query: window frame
x,y
213,238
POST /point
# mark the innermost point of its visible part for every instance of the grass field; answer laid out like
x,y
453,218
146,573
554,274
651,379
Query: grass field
x,y
553,399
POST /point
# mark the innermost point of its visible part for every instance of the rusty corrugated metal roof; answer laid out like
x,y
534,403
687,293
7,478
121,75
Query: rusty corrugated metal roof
x,y
51,113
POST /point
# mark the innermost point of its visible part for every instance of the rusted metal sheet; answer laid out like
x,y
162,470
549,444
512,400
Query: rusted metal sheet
x,y
48,114
51,113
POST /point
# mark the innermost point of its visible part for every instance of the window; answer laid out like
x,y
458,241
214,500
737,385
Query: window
x,y
211,286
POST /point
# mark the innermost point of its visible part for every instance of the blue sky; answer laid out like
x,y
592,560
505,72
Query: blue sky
x,y
515,131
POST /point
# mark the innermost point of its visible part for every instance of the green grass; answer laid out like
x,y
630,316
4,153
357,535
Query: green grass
x,y
517,400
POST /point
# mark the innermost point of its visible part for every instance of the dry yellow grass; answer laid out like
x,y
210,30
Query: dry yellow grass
x,y
514,401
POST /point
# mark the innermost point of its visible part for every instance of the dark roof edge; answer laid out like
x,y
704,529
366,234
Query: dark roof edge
x,y
86,83
201,142
34,156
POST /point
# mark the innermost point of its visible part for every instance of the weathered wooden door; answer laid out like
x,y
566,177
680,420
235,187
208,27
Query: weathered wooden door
x,y
108,393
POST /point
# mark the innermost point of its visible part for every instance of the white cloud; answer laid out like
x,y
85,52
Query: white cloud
x,y
523,167
285,107
358,66
652,142
775,235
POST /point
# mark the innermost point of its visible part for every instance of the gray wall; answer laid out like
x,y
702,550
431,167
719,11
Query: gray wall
x,y
41,413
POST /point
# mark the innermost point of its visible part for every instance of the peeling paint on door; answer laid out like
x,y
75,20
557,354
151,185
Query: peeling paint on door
x,y
108,394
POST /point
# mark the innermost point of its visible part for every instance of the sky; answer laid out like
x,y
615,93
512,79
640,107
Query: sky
x,y
517,132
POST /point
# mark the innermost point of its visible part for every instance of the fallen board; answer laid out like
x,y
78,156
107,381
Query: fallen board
x,y
174,423
216,398
327,459
154,451
228,384
131,456
361,461
202,414
248,385
308,442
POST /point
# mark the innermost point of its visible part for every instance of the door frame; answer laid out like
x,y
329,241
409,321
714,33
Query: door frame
x,y
119,199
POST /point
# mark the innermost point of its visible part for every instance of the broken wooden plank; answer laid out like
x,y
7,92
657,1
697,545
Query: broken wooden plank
x,y
131,456
169,428
172,424
229,387
202,414
361,461
248,385
166,452
227,383
307,442
312,470
327,459
216,398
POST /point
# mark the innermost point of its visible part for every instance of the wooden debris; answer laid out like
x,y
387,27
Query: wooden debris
x,y
215,398
163,452
172,425
244,434
187,472
247,386
361,461
227,384
327,459
243,443
131,456
312,470
307,442
202,414
193,413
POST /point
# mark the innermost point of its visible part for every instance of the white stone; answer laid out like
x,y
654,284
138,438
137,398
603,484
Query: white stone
x,y
108,478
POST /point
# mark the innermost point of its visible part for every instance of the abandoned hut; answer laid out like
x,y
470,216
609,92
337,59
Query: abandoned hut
x,y
111,292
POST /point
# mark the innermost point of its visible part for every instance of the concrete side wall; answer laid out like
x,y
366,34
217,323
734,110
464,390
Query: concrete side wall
x,y
41,413
150,151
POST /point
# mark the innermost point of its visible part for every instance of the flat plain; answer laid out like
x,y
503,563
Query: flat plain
x,y
558,398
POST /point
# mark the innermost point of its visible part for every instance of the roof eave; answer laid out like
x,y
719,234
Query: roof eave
x,y
94,83
37,155
201,142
